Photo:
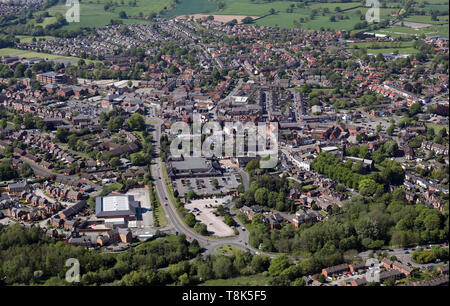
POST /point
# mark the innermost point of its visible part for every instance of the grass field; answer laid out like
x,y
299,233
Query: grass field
x,y
92,13
351,10
186,7
252,280
441,30
28,39
28,54
402,48
437,128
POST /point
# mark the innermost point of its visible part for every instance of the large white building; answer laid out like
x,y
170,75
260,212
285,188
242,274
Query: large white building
x,y
116,209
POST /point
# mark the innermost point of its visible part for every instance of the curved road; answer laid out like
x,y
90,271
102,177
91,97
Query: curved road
x,y
209,243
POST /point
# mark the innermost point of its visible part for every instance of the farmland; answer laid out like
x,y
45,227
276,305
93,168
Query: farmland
x,y
287,14
317,16
93,13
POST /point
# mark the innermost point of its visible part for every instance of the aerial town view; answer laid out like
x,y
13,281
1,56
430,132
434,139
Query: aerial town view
x,y
253,143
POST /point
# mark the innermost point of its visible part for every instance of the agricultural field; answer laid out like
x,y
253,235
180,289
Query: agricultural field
x,y
93,13
347,15
288,14
187,7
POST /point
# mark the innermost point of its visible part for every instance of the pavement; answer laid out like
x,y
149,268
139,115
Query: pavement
x,y
210,244
204,210
143,196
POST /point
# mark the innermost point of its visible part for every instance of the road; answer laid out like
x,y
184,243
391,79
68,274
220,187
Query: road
x,y
47,172
209,243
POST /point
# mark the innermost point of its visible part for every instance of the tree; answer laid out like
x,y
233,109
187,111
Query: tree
x,y
278,264
26,171
215,183
321,278
115,162
247,20
389,282
261,195
191,195
62,134
190,220
390,130
260,263
223,267
19,70
115,124
139,159
367,187
136,122
229,220
201,228
123,15
414,109
28,73
299,282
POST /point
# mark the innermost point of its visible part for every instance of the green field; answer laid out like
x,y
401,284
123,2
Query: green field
x,y
351,11
186,7
405,47
437,128
93,14
28,54
252,280
28,39
441,30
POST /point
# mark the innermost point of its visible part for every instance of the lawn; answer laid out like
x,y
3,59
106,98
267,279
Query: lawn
x,y
437,128
28,39
157,208
252,280
28,54
226,250
397,31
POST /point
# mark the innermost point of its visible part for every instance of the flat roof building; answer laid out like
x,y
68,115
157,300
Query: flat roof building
x,y
116,206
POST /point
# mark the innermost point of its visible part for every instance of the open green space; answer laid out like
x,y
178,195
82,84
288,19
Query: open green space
x,y
29,39
186,7
252,280
93,13
437,128
29,54
227,250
